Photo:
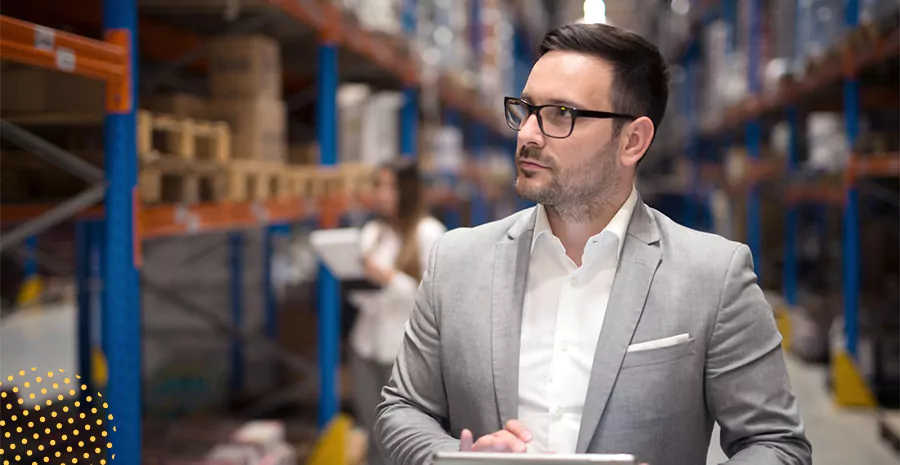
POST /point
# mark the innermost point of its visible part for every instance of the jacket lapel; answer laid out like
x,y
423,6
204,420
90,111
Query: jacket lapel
x,y
639,260
511,257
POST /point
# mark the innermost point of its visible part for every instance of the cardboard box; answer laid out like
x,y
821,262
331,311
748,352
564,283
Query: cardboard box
x,y
304,154
187,105
245,67
27,90
258,128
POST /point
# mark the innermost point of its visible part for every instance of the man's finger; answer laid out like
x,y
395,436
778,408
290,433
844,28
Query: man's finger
x,y
519,429
501,441
466,441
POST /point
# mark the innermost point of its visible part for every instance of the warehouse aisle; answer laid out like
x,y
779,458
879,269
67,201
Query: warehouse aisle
x,y
838,437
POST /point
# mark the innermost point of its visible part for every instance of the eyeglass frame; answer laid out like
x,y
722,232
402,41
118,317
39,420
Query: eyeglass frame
x,y
576,113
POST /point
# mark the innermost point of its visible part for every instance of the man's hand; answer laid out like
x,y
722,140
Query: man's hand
x,y
512,438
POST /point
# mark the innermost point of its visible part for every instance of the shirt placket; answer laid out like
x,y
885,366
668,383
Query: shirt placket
x,y
563,367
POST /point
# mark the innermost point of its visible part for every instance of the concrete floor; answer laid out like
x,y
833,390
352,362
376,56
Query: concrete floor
x,y
838,437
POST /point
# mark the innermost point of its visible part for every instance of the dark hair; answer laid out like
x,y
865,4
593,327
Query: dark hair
x,y
641,78
410,211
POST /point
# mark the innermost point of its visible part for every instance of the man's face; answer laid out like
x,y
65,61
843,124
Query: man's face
x,y
578,174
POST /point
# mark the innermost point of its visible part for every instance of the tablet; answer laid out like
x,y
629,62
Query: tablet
x,y
475,458
340,251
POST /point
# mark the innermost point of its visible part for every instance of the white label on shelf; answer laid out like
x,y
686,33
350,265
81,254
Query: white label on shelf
x,y
312,207
185,217
65,59
44,38
260,212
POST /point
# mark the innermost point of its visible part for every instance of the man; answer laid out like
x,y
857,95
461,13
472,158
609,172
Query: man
x,y
591,323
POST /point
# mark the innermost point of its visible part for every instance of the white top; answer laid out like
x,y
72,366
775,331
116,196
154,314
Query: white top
x,y
563,313
380,324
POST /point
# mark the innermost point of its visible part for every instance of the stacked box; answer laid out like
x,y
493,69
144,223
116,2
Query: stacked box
x,y
351,101
304,154
443,40
259,128
187,105
381,128
30,90
497,76
380,16
245,83
875,11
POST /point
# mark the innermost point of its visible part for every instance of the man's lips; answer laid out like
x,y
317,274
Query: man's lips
x,y
526,164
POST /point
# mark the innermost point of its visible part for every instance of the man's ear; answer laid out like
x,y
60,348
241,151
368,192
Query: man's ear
x,y
636,140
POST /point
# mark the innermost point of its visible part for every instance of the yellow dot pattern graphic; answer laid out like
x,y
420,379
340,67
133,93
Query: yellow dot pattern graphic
x,y
34,439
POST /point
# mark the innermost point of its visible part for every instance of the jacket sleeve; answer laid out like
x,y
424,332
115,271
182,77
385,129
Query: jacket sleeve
x,y
747,387
409,429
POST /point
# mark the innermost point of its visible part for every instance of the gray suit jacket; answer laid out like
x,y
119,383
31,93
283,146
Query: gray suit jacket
x,y
458,366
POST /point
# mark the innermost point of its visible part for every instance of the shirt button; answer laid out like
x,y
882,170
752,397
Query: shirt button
x,y
563,346
574,279
557,413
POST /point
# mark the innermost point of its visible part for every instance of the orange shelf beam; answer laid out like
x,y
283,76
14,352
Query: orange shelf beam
x,y
328,21
175,220
846,63
817,193
39,46
874,166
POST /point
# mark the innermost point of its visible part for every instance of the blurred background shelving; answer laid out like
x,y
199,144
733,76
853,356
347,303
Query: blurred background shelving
x,y
163,162
785,137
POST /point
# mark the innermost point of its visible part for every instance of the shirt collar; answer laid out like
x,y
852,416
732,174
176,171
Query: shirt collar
x,y
618,225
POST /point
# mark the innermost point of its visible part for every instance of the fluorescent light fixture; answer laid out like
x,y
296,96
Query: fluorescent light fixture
x,y
594,12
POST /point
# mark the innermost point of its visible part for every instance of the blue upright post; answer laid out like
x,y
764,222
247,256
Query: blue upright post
x,y
122,312
268,289
729,14
31,264
452,216
236,264
96,231
83,283
754,137
522,61
691,198
409,112
851,220
479,210
790,240
409,123
329,320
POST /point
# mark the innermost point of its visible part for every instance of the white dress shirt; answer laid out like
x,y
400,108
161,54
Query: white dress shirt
x,y
378,331
563,313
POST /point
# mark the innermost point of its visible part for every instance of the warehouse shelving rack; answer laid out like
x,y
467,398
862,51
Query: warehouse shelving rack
x,y
114,231
840,76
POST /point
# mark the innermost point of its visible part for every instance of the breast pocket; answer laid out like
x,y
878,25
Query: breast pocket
x,y
659,355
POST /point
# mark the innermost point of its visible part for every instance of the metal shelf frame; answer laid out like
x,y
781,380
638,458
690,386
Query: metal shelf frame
x,y
757,110
109,237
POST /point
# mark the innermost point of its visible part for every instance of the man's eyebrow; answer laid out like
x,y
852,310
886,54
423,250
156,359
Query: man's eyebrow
x,y
564,103
560,102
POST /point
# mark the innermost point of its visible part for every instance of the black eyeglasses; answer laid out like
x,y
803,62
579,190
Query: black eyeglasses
x,y
556,121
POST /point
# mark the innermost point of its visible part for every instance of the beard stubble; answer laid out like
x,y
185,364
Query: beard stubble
x,y
579,193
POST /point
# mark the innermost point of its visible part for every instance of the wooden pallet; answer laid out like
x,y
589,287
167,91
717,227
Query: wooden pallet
x,y
253,181
163,134
176,180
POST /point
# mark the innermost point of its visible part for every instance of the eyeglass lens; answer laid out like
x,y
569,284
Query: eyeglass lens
x,y
555,121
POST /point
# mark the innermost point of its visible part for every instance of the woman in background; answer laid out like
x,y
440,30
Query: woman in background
x,y
395,246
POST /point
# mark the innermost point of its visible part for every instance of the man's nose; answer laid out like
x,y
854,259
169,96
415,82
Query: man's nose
x,y
530,133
